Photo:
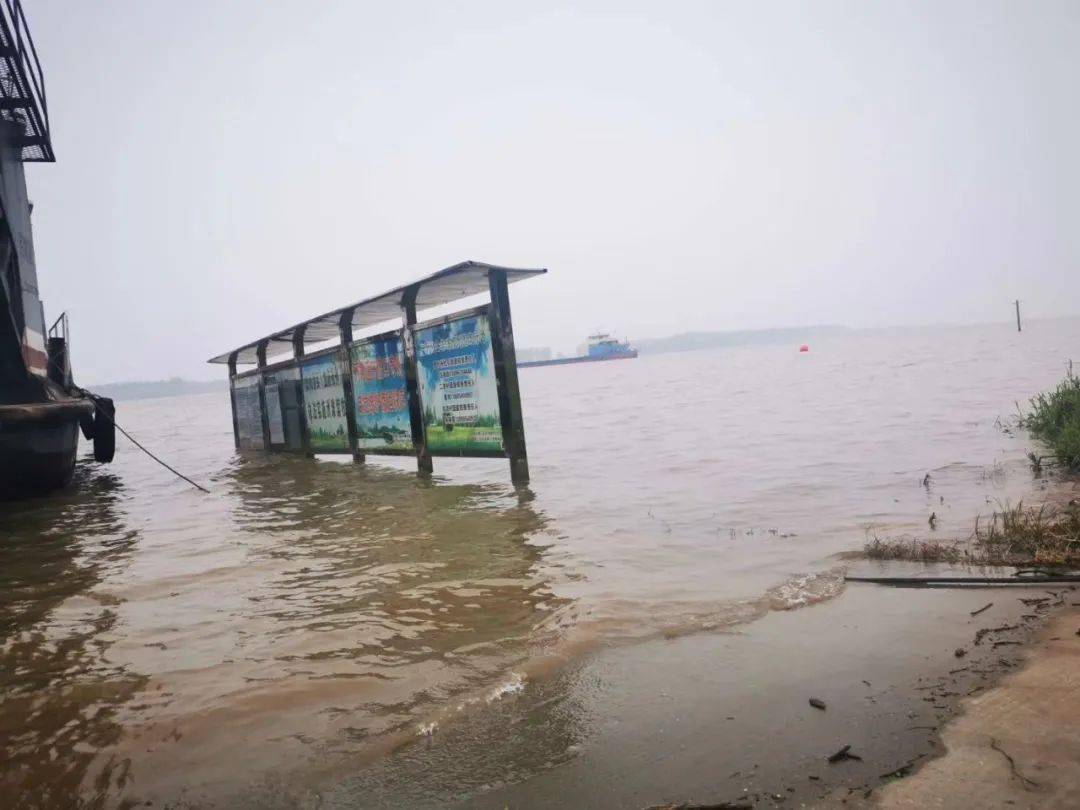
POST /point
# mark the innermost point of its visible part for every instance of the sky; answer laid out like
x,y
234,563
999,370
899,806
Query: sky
x,y
226,169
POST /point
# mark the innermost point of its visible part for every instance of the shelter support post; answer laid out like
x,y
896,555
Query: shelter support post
x,y
298,354
260,355
232,399
345,328
412,383
502,345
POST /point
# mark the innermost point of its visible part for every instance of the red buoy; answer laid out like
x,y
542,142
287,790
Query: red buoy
x,y
804,348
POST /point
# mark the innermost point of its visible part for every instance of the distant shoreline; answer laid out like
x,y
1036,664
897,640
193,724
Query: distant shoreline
x,y
157,389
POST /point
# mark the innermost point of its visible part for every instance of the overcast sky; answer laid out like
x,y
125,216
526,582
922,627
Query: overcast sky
x,y
225,169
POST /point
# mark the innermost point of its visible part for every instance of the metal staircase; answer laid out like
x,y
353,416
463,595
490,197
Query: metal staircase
x,y
22,85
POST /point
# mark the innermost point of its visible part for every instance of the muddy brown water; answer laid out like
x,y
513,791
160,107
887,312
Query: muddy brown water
x,y
322,633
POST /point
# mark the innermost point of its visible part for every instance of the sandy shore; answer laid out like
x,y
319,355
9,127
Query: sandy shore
x,y
1016,745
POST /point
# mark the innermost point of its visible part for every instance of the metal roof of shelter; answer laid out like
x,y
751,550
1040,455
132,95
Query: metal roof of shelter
x,y
461,280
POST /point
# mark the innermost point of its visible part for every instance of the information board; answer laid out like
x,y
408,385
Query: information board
x,y
248,413
324,400
272,393
290,397
382,403
458,389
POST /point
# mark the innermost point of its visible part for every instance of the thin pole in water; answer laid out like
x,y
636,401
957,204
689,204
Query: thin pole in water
x,y
1017,302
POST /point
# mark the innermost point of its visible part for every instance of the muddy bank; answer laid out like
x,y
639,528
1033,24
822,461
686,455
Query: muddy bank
x,y
725,717
1016,745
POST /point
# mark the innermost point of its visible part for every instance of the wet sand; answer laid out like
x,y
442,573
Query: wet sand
x,y
722,717
1016,745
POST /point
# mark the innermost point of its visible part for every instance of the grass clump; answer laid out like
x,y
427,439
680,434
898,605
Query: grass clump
x,y
1027,535
1014,535
908,548
1055,419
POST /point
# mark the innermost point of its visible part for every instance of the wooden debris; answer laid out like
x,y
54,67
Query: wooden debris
x,y
982,609
900,772
817,703
842,754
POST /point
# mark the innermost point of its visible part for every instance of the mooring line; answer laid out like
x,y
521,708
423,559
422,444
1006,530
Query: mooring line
x,y
135,442
158,460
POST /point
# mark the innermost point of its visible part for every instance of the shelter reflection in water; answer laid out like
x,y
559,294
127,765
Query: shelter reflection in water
x,y
386,570
359,602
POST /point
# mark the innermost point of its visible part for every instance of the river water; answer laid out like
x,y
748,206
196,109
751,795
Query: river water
x,y
309,620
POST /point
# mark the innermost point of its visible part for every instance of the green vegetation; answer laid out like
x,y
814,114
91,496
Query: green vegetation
x,y
1015,535
463,437
325,440
1055,419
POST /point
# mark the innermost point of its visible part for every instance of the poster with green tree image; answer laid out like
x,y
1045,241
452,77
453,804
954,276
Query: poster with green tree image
x,y
380,394
458,387
324,401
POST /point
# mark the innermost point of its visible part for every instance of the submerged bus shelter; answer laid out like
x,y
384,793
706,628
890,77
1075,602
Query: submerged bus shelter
x,y
442,387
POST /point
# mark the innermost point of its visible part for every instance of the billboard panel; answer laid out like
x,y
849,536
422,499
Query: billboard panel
x,y
382,403
248,413
291,399
324,399
273,412
458,389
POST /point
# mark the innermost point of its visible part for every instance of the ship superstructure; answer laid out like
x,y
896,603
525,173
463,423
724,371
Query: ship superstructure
x,y
600,346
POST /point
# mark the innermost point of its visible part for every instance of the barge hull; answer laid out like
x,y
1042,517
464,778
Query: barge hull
x,y
37,458
566,361
38,443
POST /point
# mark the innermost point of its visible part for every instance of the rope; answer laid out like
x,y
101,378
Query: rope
x,y
135,442
173,470
131,438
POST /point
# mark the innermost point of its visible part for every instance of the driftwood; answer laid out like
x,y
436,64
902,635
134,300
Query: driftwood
x,y
980,634
953,582
900,772
982,609
842,754
738,804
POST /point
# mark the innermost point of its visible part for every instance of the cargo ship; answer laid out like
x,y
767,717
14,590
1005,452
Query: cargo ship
x,y
601,346
41,409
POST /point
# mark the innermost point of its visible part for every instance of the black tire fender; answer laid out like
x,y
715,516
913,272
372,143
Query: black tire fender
x,y
104,430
